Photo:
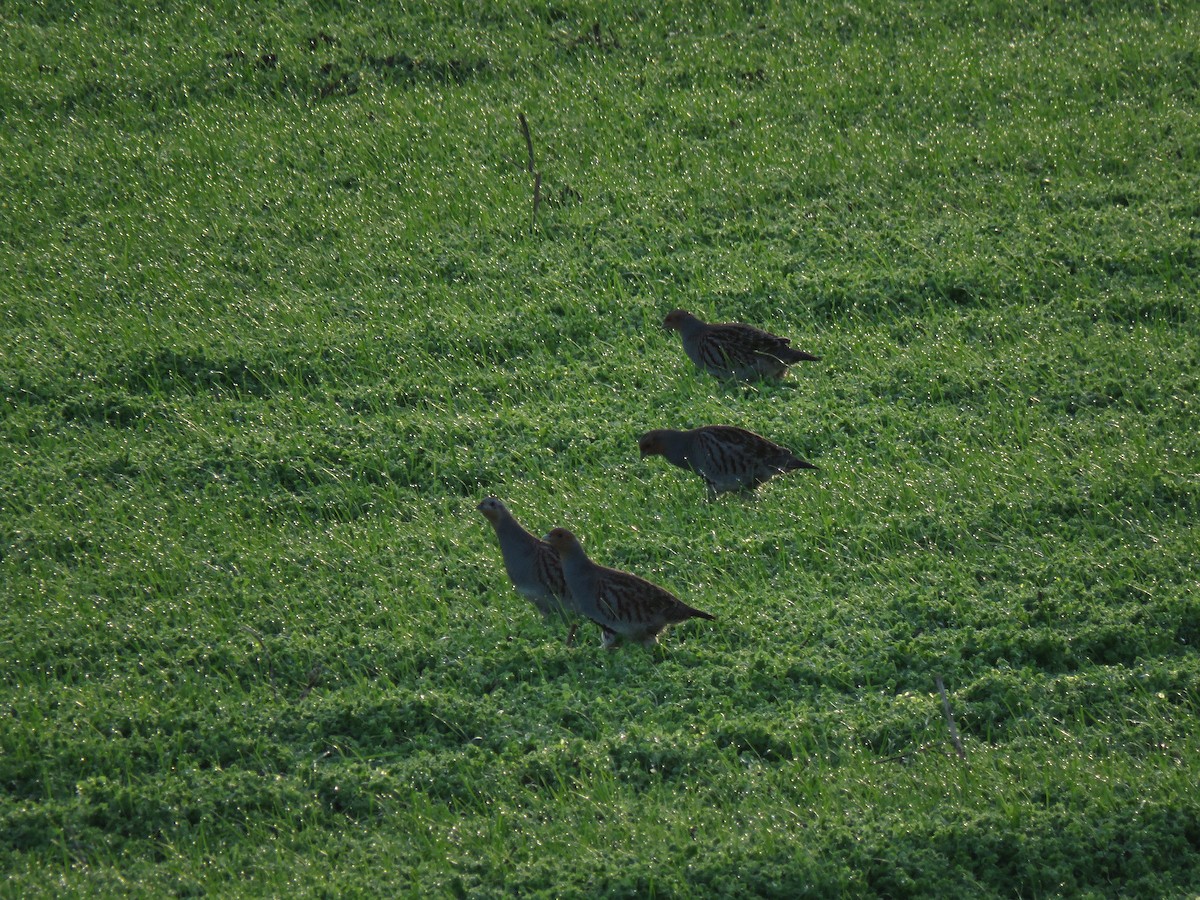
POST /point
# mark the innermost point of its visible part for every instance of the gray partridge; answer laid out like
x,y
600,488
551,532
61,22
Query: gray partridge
x,y
733,350
532,565
623,605
727,458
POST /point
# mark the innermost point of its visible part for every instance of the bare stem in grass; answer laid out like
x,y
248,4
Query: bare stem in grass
x,y
537,176
962,754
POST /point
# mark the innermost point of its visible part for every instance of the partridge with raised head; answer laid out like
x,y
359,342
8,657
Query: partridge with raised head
x,y
532,565
622,604
733,350
727,458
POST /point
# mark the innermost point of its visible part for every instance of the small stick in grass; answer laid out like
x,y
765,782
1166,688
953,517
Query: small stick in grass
x,y
537,176
962,754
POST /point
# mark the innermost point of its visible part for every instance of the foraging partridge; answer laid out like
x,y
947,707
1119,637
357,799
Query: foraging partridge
x,y
623,605
732,350
532,565
727,458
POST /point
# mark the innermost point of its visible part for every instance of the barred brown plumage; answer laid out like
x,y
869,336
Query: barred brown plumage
x,y
726,457
733,350
532,566
622,604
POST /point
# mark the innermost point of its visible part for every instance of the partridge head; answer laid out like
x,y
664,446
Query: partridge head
x,y
532,565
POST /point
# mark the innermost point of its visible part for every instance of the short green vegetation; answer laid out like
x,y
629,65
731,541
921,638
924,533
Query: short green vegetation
x,y
276,313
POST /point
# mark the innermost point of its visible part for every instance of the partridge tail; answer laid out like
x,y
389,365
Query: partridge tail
x,y
797,463
689,612
791,355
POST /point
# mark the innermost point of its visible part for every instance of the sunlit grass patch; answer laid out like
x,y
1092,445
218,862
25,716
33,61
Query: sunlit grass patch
x,y
279,310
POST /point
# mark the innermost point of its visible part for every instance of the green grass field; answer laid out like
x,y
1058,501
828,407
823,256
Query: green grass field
x,y
277,313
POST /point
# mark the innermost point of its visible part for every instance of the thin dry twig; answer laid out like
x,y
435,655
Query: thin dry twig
x,y
962,754
537,176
